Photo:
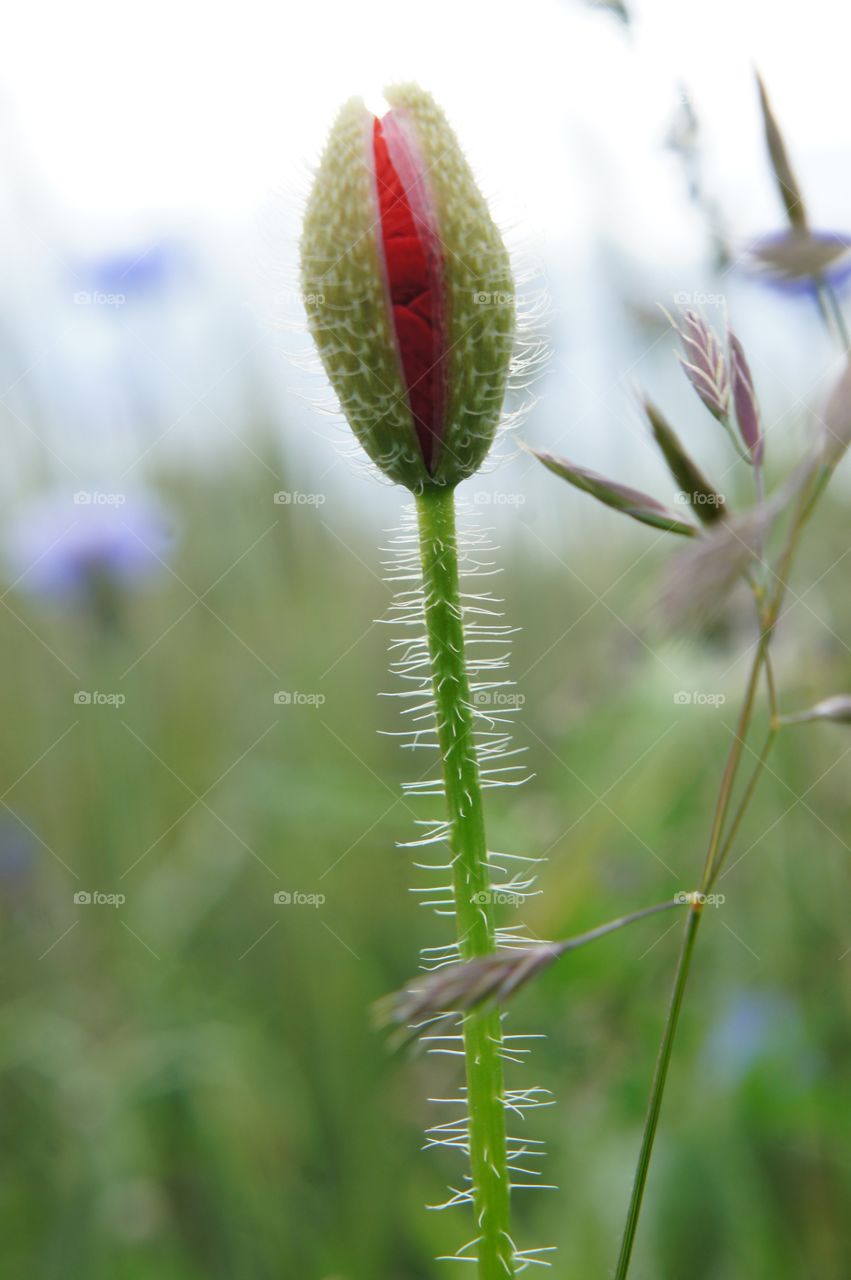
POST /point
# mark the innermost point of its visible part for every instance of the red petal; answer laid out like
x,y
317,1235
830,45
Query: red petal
x,y
413,267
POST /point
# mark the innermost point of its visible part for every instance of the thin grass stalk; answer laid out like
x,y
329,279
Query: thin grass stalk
x,y
744,804
660,1075
717,851
657,1089
471,879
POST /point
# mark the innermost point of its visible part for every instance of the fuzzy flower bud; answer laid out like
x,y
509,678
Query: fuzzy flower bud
x,y
411,296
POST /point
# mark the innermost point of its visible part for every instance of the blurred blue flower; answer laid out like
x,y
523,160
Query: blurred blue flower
x,y
799,261
143,270
74,547
755,1028
17,847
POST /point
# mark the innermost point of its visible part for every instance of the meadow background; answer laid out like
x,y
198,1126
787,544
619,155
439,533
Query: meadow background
x,y
191,1083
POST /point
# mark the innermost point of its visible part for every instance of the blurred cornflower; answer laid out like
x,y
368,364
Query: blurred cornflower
x,y
757,1028
800,261
145,270
87,550
17,849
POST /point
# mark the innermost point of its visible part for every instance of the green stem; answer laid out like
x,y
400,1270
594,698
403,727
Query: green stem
x,y
611,926
657,1090
734,758
660,1075
744,804
831,309
474,918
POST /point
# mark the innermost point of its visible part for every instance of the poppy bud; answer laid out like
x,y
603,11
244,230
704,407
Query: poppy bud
x,y
411,296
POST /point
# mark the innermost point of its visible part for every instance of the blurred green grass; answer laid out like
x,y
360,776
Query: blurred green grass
x,y
191,1084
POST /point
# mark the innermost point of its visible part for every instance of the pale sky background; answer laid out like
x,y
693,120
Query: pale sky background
x,y
126,126
133,111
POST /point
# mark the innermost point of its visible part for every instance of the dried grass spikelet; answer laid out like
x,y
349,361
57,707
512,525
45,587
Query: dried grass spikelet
x,y
704,362
836,709
836,420
708,504
702,576
458,988
630,502
744,400
784,175
700,579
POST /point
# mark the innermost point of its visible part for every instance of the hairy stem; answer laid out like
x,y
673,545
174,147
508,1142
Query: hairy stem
x,y
476,937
